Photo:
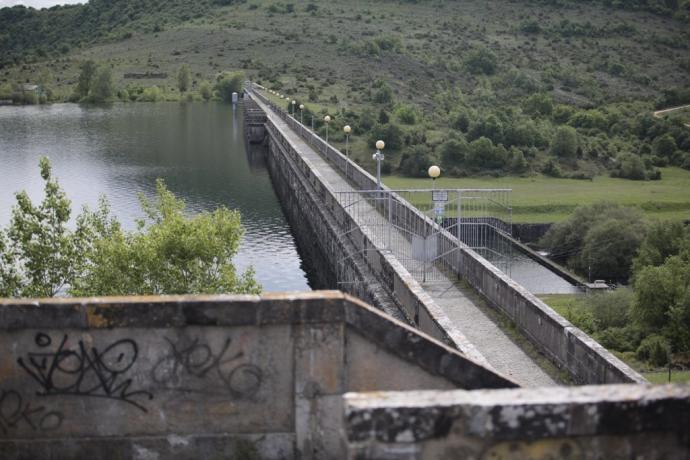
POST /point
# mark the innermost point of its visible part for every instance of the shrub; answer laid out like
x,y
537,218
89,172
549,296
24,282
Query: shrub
x,y
551,169
228,83
655,350
612,309
565,142
406,114
415,162
383,95
482,153
453,153
482,61
622,339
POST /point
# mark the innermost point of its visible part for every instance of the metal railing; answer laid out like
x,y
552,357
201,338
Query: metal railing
x,y
424,229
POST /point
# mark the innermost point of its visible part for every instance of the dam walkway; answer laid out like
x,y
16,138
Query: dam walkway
x,y
461,304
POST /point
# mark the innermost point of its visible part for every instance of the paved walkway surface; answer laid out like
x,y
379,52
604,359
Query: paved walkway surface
x,y
498,349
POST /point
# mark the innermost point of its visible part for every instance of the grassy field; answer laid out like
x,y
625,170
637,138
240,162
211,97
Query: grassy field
x,y
662,377
544,199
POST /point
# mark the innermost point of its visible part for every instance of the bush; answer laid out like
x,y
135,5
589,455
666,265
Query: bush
x,y
383,95
406,114
598,241
664,146
612,309
655,350
630,166
415,162
539,104
151,94
482,61
565,142
206,91
482,153
390,133
453,153
229,83
552,169
622,339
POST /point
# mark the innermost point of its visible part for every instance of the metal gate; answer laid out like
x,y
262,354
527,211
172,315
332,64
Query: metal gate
x,y
423,229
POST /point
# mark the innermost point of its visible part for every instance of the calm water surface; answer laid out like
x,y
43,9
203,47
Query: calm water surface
x,y
121,149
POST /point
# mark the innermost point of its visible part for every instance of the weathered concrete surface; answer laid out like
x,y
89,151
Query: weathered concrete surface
x,y
589,422
565,345
204,377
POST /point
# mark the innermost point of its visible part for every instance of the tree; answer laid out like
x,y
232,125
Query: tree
x,y
184,78
662,299
102,88
482,61
390,133
609,247
170,253
206,91
598,240
482,153
665,146
229,83
539,104
384,94
40,256
415,162
565,142
663,240
86,75
453,152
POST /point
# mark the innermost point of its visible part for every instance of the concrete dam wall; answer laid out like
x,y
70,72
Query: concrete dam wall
x,y
565,345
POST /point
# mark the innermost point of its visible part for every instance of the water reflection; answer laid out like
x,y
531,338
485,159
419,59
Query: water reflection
x,y
120,150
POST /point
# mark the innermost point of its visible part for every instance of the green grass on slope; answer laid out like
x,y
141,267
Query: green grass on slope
x,y
544,199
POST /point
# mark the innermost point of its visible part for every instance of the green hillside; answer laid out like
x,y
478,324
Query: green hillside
x,y
564,88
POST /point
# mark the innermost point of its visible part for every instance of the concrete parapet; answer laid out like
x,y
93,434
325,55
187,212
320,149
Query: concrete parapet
x,y
204,376
588,422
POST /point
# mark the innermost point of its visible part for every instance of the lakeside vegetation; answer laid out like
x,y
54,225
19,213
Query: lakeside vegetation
x,y
169,252
562,88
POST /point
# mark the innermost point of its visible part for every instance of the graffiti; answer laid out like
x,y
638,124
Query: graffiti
x,y
14,411
83,371
194,359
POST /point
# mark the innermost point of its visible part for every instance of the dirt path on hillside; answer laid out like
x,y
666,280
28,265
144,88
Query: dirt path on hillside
x,y
662,113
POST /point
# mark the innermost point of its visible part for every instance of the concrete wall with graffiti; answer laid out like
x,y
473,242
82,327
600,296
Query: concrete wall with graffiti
x,y
213,377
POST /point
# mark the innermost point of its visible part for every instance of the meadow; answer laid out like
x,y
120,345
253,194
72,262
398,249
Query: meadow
x,y
540,199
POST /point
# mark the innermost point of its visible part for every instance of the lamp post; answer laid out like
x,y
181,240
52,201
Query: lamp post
x,y
434,172
327,119
301,112
378,156
293,107
347,130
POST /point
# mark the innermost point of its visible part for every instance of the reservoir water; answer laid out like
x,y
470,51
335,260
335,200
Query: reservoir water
x,y
120,150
